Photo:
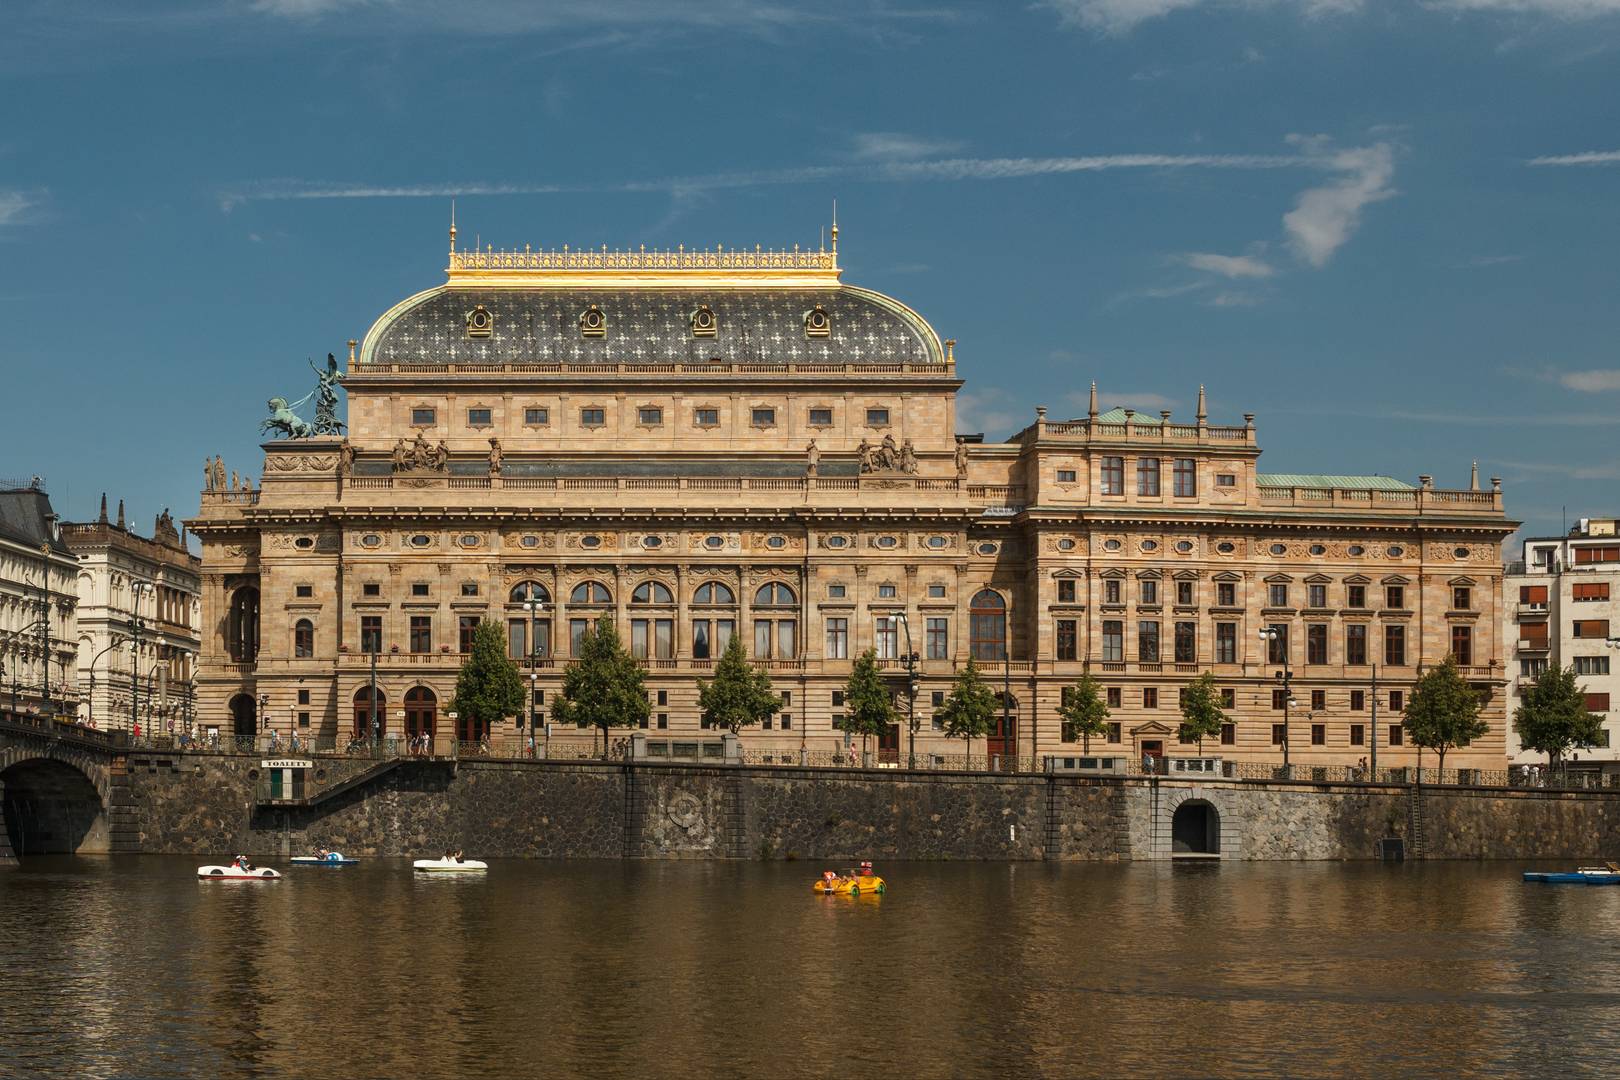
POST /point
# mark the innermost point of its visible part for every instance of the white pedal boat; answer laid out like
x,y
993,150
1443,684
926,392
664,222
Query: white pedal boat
x,y
236,873
331,858
449,866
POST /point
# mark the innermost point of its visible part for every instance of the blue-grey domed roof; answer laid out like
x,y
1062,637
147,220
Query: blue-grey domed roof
x,y
651,326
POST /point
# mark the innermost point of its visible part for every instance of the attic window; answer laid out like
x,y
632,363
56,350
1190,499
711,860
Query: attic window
x,y
817,323
479,322
592,323
703,324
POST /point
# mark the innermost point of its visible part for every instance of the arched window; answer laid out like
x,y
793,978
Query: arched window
x,y
988,626
525,591
714,592
242,625
590,592
303,639
774,594
652,592
364,714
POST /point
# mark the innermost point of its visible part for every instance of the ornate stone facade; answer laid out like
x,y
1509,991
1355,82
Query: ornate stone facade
x,y
655,414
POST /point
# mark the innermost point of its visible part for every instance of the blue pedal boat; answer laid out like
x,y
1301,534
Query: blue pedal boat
x,y
331,858
1585,875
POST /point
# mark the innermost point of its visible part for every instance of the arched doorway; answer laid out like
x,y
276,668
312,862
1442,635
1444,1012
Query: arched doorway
x,y
470,729
244,716
421,712
1195,829
364,714
51,808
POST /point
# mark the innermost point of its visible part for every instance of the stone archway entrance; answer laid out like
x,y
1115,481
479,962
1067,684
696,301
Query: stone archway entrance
x,y
1195,829
363,714
51,808
421,712
244,716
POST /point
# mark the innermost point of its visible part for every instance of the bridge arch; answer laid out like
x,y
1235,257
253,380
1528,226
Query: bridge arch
x,y
52,801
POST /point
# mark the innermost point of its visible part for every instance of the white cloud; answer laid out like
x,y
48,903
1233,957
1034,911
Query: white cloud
x,y
1227,266
1590,381
13,206
894,145
1480,262
1563,9
305,9
987,410
1589,157
1123,16
1323,218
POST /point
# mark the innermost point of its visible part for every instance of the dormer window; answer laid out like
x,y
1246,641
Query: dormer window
x,y
480,322
592,323
817,323
703,322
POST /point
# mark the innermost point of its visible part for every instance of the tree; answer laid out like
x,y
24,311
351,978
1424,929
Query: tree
x,y
1443,711
1552,716
603,687
1083,711
970,709
1201,715
489,687
740,694
867,701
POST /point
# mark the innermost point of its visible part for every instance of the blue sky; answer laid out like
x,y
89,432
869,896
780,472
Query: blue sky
x,y
1388,229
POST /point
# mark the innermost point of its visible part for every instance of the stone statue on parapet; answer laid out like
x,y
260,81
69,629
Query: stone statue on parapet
x,y
495,456
346,457
420,456
164,531
812,456
887,457
908,458
961,460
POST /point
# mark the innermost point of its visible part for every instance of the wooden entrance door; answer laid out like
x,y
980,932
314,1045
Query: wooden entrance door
x,y
1002,745
889,745
421,712
363,713
470,730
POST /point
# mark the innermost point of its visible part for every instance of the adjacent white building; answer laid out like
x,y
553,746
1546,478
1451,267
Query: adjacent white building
x,y
1562,606
138,615
37,600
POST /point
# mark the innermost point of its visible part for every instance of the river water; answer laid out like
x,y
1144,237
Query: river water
x,y
131,967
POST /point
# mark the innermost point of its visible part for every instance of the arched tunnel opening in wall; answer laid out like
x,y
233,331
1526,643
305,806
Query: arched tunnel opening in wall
x,y
51,808
1195,829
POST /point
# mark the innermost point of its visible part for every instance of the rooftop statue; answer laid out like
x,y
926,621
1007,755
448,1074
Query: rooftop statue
x,y
284,419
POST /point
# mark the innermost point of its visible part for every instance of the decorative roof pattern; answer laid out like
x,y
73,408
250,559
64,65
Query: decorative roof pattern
x,y
1328,480
652,326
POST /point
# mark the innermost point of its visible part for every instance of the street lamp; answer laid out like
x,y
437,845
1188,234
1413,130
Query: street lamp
x,y
911,693
115,643
534,605
1271,635
136,625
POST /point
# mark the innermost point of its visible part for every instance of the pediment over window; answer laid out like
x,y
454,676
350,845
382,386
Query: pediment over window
x,y
1278,579
1461,581
1152,727
1318,579
1229,575
1068,573
1112,572
1358,579
1153,574
1186,575
1395,579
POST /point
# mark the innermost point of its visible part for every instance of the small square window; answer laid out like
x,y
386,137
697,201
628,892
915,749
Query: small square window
x,y
303,697
419,588
537,417
1066,476
663,721
469,588
764,417
479,418
706,417
423,417
371,588
663,697
304,590
936,592
821,418
651,416
837,698
1066,590
1226,479
886,592
877,417
593,417
836,592
303,719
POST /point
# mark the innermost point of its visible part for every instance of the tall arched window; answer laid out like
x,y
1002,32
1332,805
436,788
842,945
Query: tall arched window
x,y
528,630
303,639
712,630
652,592
244,716
714,592
774,594
776,636
525,591
242,625
421,712
652,636
988,626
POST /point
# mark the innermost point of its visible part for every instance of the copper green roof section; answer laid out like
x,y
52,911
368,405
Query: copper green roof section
x,y
1328,480
1116,415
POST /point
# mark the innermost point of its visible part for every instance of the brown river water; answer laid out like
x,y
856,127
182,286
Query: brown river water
x,y
130,967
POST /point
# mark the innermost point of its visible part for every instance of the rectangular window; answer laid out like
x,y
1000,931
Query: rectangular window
x,y
1397,735
836,592
877,417
1186,477
419,588
1604,553
517,639
1355,643
1590,590
1113,640
663,697
576,634
652,638
537,417
1277,644
1592,628
821,418
838,638
1111,591
464,631
1065,590
1395,645
1279,732
1114,696
1225,594
421,633
706,417
1533,635
663,721
303,697
1277,595
1067,476
593,417
1147,641
1590,665
1355,596
764,417
1358,701
371,588
1228,734
469,588
1067,640
423,417
304,590
1147,476
1228,697
1316,596
837,698
938,646
762,639
887,640
1318,699
1226,480
1149,590
1397,701
886,592
1462,598
1279,698
1395,597
1318,734
1150,697
1113,476
1316,643
1536,595
650,416
1462,644
1531,669
936,592
1186,643
1225,643
479,418
1597,702
371,633
1358,734
1184,594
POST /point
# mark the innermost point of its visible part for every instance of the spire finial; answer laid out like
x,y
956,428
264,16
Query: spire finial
x,y
103,518
835,228
1091,410
452,226
1202,415
120,513
1473,477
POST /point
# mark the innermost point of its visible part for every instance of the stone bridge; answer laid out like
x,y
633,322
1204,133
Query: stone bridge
x,y
56,787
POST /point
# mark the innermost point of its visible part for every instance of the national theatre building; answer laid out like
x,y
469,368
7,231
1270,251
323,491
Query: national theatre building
x,y
701,444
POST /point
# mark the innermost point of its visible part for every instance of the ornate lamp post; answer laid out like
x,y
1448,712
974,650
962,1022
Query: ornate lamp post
x,y
911,693
115,643
1271,635
136,625
534,605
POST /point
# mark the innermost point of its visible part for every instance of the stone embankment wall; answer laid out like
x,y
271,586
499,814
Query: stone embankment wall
x,y
204,804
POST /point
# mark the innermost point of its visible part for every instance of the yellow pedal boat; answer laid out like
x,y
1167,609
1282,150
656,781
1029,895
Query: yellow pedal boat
x,y
850,883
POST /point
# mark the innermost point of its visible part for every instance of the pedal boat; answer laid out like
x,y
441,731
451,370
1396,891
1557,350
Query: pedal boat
x,y
236,873
449,866
850,884
331,858
1607,874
